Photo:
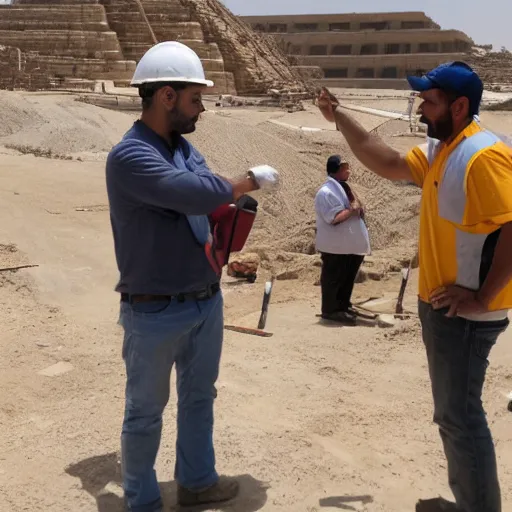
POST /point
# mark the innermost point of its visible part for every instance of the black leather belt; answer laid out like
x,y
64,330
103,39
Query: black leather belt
x,y
205,294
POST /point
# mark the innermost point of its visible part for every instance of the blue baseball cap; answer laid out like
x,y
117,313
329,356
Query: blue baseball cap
x,y
453,77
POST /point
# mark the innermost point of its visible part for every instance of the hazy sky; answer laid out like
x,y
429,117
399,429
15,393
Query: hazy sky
x,y
486,21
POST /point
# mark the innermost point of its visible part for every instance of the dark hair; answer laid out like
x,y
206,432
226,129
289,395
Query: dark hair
x,y
452,96
147,91
335,163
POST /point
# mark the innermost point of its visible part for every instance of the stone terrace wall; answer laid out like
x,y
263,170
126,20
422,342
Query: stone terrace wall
x,y
256,62
19,70
167,20
72,38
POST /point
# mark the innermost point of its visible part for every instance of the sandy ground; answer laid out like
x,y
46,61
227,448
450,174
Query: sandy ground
x,y
314,418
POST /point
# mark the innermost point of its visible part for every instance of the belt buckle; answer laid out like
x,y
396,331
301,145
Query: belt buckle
x,y
205,294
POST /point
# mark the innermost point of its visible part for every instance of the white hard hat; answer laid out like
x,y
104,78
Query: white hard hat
x,y
170,61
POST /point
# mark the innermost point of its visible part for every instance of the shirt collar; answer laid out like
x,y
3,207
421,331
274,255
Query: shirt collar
x,y
176,137
470,130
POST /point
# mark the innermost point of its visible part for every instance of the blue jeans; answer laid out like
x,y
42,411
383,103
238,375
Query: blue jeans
x,y
157,336
457,352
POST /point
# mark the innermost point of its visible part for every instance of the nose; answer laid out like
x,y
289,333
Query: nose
x,y
202,109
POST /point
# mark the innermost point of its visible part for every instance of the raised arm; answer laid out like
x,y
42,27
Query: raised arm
x,y
146,177
369,149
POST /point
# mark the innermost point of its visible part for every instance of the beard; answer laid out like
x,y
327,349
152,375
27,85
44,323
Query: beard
x,y
180,123
442,129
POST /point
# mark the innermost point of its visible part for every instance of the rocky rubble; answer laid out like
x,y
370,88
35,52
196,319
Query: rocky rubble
x,y
495,68
19,70
256,62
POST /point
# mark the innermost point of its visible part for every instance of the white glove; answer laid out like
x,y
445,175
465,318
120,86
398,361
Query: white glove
x,y
265,176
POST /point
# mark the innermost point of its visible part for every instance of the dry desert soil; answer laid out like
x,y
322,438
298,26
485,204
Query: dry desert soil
x,y
315,418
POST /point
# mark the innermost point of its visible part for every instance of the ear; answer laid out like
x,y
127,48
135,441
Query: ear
x,y
460,108
168,96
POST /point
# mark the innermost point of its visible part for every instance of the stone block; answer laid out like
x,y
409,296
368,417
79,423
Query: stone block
x,y
54,2
204,50
94,69
65,13
64,43
224,82
52,24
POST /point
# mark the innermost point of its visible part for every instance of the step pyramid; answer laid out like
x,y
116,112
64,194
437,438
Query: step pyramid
x,y
104,39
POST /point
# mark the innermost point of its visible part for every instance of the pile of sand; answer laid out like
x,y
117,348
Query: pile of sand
x,y
286,220
231,144
16,114
58,123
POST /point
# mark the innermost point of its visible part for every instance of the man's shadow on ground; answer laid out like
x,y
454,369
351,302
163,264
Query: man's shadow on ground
x,y
101,478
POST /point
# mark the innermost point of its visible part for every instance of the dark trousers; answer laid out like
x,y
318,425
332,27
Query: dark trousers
x,y
339,273
457,352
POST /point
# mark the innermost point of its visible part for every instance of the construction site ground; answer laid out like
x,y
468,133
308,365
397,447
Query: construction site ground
x,y
317,417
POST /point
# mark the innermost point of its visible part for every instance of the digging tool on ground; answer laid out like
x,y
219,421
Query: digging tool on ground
x,y
263,316
266,300
248,330
406,272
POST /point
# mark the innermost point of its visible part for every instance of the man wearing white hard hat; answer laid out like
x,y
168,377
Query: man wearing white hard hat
x,y
161,194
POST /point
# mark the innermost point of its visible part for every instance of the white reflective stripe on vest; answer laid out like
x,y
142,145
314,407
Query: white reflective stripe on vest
x,y
452,193
452,206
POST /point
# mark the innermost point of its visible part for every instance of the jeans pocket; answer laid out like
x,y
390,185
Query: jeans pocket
x,y
150,308
486,334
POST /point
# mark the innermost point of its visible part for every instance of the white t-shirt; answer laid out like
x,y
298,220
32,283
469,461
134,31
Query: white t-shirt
x,y
349,237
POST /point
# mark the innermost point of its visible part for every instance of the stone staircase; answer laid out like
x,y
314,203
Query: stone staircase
x,y
103,39
169,21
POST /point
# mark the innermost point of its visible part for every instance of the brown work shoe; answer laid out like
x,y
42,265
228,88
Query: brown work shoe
x,y
224,490
436,505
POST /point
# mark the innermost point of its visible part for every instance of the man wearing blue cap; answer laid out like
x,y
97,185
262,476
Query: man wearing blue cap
x,y
465,288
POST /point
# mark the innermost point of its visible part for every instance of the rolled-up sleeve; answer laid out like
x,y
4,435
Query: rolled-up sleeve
x,y
145,176
327,206
417,161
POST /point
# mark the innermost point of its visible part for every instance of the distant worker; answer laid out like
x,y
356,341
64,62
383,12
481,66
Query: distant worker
x,y
342,239
465,287
161,193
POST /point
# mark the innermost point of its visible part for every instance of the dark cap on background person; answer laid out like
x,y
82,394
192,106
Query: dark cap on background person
x,y
334,163
455,78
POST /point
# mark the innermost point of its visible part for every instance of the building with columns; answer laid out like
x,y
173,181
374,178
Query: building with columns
x,y
364,50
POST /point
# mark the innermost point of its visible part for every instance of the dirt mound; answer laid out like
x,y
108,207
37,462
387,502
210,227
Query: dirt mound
x,y
16,114
286,221
58,123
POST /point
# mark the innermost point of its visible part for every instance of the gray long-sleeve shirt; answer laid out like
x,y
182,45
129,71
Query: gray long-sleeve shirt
x,y
152,188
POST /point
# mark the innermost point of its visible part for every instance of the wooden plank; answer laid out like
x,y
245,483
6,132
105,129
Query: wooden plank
x,y
248,330
14,269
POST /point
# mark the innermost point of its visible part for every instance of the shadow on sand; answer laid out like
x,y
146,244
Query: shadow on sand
x,y
101,478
